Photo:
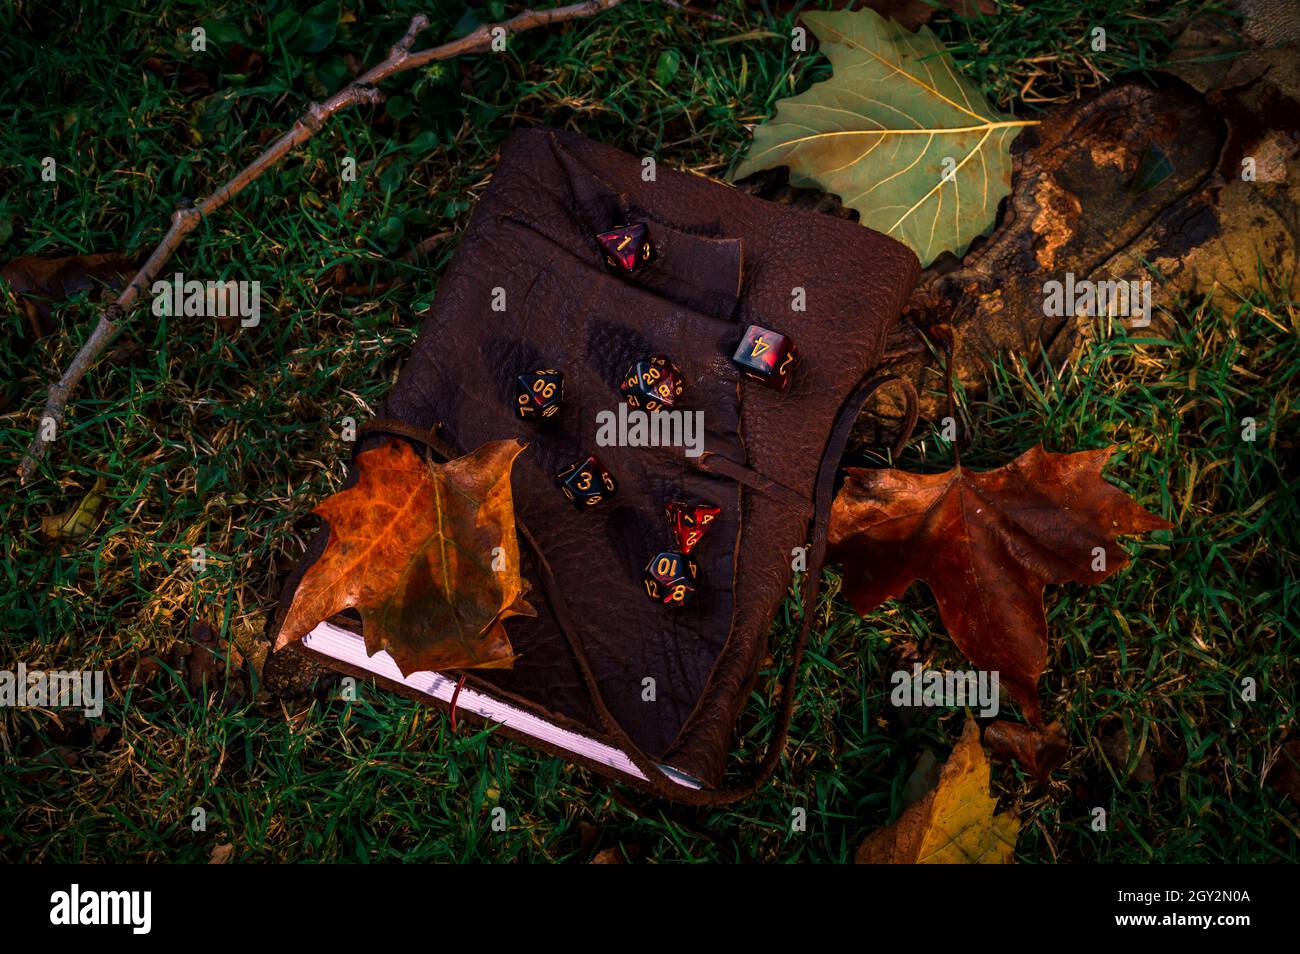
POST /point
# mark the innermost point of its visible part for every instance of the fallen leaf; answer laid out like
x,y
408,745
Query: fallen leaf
x,y
137,670
1117,747
1285,772
203,657
924,777
38,282
909,13
245,60
251,645
955,823
184,76
986,544
1039,751
896,132
221,854
411,547
1224,48
77,520
51,765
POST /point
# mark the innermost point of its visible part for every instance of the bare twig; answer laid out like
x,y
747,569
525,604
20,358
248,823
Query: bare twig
x,y
187,216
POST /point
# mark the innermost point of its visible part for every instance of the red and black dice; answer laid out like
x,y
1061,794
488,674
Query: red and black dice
x,y
627,247
586,483
538,394
689,521
652,384
670,578
766,356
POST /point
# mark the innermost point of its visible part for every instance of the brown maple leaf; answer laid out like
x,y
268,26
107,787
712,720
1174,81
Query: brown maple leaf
x,y
1040,751
986,544
37,282
954,823
426,553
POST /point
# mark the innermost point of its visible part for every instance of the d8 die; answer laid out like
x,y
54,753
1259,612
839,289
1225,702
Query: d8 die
x,y
670,578
538,394
627,247
766,356
652,383
586,483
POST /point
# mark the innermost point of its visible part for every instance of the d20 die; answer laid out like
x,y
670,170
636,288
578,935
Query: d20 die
x,y
652,383
766,356
586,483
538,394
670,578
627,247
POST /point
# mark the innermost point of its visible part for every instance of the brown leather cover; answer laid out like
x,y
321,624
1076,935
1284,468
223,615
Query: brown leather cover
x,y
723,260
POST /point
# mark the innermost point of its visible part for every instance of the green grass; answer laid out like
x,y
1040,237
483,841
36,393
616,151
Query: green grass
x,y
227,441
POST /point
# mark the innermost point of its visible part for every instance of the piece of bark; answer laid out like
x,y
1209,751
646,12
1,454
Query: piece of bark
x,y
1072,210
1076,208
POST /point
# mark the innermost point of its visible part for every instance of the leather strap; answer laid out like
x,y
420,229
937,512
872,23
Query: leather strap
x,y
655,778
714,463
387,425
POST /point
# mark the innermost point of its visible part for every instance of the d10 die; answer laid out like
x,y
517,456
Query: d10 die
x,y
689,521
538,394
652,383
627,247
766,356
586,483
670,578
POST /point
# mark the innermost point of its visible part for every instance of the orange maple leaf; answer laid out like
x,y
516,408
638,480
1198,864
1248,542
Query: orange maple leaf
x,y
426,553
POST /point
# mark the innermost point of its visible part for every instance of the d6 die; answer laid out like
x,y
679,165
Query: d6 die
x,y
652,383
627,247
538,394
766,356
586,483
670,578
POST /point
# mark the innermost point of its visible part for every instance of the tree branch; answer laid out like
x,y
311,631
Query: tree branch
x,y
187,217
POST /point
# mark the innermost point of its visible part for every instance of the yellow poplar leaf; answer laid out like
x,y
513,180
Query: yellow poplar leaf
x,y
955,823
896,132
77,520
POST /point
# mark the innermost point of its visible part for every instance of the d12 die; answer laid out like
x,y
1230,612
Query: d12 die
x,y
538,394
652,383
670,578
689,522
627,247
586,483
766,356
